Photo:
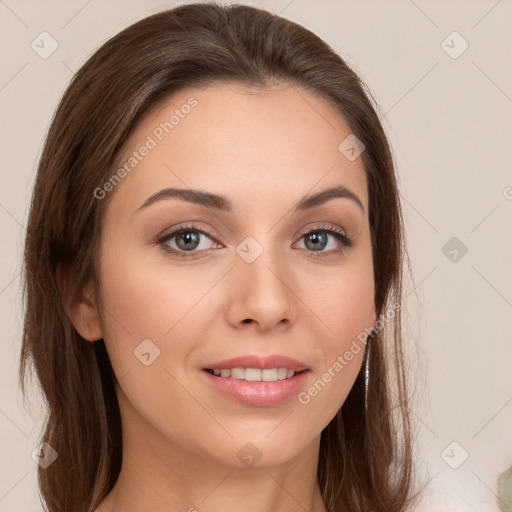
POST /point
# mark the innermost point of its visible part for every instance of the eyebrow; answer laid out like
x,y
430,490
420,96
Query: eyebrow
x,y
222,203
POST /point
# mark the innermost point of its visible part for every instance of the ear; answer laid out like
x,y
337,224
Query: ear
x,y
82,312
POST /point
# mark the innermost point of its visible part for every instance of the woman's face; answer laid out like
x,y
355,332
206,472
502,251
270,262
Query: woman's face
x,y
255,285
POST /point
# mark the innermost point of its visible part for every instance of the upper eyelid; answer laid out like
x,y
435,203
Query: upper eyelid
x,y
171,233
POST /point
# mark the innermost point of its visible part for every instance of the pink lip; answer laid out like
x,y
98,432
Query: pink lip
x,y
261,362
262,394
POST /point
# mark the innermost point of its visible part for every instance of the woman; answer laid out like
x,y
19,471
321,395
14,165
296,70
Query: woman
x,y
213,277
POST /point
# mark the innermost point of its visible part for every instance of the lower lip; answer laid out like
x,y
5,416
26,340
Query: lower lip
x,y
262,394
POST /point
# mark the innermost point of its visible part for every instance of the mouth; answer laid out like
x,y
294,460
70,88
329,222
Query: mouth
x,y
256,387
255,374
256,379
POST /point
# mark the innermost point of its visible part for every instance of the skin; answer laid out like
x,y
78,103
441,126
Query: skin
x,y
264,150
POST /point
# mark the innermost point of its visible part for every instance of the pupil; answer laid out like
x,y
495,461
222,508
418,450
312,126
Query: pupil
x,y
190,237
319,240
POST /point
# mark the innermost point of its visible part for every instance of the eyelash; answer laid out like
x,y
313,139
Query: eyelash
x,y
330,229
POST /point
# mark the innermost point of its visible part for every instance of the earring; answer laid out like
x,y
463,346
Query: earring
x,y
367,367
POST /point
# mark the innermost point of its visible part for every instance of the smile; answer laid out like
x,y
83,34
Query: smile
x,y
255,374
253,389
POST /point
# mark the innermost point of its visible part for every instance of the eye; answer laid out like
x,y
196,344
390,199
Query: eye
x,y
187,240
317,239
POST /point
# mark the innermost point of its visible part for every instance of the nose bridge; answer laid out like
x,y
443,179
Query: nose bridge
x,y
259,260
261,290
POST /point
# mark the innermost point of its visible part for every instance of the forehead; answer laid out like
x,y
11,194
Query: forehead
x,y
241,142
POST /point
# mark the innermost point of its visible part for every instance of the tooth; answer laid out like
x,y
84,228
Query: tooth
x,y
281,373
252,374
255,374
269,375
237,373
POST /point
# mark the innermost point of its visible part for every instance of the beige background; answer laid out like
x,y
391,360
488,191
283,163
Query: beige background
x,y
450,123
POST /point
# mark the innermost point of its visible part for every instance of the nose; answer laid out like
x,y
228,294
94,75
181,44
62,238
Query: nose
x,y
261,291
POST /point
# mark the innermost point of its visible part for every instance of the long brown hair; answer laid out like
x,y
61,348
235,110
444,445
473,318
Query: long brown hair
x,y
366,451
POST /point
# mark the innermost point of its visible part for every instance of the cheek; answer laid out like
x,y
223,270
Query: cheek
x,y
145,300
153,320
352,308
133,310
345,309
344,302
148,323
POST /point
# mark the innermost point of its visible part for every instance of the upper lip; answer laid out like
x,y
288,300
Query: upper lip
x,y
259,361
